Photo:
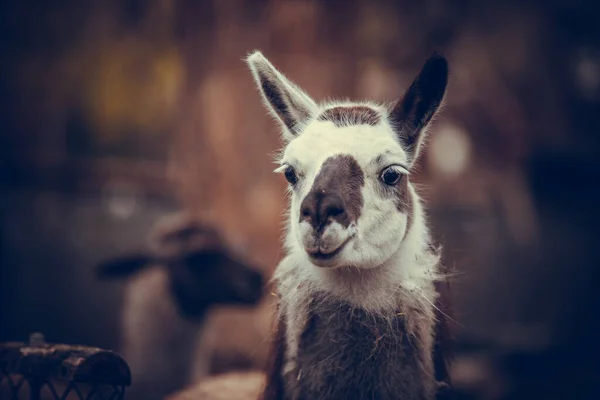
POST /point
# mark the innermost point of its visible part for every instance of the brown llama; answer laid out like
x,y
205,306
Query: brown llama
x,y
361,313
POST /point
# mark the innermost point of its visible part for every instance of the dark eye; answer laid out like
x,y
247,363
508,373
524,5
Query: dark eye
x,y
390,176
290,175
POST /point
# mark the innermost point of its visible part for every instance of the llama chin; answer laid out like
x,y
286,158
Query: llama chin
x,y
360,312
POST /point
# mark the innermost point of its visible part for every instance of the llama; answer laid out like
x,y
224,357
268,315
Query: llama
x,y
360,292
186,272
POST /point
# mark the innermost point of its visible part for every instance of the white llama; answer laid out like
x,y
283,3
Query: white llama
x,y
171,287
360,314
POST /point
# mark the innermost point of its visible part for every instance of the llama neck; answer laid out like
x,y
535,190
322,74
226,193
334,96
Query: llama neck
x,y
344,352
362,334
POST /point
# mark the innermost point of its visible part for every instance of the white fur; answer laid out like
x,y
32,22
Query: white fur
x,y
158,344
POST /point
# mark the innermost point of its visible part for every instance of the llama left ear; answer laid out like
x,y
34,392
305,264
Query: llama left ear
x,y
411,113
123,266
292,107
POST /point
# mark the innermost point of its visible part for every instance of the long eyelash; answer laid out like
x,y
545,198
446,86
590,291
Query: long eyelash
x,y
401,170
281,169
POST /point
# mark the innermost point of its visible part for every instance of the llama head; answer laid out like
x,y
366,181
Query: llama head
x,y
348,165
202,270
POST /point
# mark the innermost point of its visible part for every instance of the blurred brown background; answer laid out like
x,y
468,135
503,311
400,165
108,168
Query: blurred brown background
x,y
115,113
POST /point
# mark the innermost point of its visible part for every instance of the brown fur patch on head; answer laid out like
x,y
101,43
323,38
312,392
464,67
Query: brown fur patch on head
x,y
340,179
348,116
402,196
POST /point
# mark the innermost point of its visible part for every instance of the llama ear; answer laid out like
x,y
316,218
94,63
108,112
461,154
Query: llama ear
x,y
123,266
411,113
292,107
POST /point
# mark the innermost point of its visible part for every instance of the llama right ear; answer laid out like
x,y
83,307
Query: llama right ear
x,y
411,114
292,107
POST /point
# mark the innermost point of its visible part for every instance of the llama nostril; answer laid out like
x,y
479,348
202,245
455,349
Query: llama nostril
x,y
335,211
332,208
305,212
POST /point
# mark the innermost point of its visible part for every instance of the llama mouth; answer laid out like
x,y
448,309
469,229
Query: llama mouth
x,y
321,256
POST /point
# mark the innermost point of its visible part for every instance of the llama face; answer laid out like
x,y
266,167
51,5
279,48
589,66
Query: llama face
x,y
348,166
202,271
342,210
207,277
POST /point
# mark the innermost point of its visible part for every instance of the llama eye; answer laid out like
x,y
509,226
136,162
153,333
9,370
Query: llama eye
x,y
390,176
290,175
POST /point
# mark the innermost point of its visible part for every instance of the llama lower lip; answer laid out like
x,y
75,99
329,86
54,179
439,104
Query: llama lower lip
x,y
328,256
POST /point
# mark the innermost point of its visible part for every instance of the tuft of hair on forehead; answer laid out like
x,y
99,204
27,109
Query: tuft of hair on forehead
x,y
349,115
285,100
